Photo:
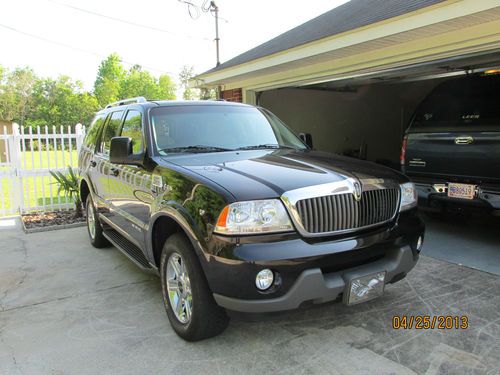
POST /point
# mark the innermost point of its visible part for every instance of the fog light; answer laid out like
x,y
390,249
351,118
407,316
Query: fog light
x,y
264,279
420,242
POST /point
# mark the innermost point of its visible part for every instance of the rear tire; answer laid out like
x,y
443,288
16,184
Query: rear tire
x,y
94,226
184,286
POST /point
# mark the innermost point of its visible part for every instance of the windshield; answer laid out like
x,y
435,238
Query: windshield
x,y
213,128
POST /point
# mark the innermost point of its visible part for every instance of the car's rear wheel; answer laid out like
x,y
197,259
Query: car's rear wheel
x,y
189,303
94,226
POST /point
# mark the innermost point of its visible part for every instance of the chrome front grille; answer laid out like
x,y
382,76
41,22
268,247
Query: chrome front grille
x,y
341,212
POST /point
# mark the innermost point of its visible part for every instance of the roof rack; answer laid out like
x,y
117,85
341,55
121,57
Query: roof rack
x,y
139,99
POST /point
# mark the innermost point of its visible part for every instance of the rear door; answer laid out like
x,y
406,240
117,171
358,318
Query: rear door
x,y
455,133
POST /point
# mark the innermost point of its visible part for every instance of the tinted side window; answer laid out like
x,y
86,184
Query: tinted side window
x,y
132,128
95,126
110,131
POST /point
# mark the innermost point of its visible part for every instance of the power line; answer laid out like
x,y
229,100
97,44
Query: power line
x,y
116,19
61,44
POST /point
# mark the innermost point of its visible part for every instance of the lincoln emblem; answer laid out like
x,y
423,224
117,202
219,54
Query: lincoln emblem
x,y
357,191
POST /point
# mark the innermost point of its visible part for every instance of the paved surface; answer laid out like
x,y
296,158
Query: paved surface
x,y
472,241
67,308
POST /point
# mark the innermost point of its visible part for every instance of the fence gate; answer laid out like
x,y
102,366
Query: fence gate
x,y
25,181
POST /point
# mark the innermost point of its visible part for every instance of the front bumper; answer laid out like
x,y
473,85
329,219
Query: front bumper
x,y
320,264
315,286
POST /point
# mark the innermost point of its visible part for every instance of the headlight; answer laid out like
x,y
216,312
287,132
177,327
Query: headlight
x,y
408,196
261,216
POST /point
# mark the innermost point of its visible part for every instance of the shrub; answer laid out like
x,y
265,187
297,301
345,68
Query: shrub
x,y
68,183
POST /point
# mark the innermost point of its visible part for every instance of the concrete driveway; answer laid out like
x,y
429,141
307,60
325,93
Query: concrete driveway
x,y
67,308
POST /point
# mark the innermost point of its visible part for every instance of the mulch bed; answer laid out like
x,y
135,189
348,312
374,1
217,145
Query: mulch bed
x,y
49,219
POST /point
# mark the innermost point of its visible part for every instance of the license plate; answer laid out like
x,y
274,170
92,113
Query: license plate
x,y
365,288
462,191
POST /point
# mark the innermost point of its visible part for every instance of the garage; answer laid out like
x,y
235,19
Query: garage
x,y
354,76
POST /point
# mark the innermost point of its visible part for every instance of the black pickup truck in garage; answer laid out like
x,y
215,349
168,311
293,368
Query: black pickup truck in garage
x,y
451,149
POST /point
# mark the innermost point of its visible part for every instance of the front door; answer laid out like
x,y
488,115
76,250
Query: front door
x,y
129,192
101,161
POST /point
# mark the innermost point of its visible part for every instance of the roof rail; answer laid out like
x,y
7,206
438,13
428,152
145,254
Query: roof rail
x,y
139,99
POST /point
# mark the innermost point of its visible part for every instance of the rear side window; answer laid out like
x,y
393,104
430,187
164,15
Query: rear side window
x,y
110,131
132,128
95,126
468,102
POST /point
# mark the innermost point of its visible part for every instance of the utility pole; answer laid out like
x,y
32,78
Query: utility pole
x,y
215,9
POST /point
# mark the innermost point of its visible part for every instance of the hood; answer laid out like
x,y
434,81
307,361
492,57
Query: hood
x,y
261,174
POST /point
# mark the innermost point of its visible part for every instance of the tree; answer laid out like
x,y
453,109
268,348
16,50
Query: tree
x,y
138,82
16,89
166,88
185,76
109,77
61,102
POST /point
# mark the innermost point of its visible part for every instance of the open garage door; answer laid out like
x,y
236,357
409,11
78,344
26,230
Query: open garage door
x,y
366,116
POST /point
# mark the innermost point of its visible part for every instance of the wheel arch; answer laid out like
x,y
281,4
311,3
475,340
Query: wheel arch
x,y
163,225
85,190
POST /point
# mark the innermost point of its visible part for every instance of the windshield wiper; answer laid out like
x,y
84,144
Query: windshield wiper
x,y
264,146
196,148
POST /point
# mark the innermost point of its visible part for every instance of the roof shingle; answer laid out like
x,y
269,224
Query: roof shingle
x,y
351,15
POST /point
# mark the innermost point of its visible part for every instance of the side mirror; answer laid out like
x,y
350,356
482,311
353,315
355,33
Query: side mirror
x,y
307,139
120,152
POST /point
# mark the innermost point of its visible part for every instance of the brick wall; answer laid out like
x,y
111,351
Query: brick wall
x,y
234,95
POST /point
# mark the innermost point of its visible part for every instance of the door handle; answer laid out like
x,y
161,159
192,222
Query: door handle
x,y
463,140
93,163
115,171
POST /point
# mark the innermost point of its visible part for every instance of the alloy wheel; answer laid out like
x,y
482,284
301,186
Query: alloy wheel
x,y
179,288
91,220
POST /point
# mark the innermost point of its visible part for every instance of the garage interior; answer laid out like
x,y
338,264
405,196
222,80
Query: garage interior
x,y
367,116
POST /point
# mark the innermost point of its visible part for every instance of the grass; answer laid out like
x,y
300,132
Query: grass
x,y
36,190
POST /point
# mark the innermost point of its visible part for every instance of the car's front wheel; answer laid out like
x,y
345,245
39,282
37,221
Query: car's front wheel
x,y
189,303
94,226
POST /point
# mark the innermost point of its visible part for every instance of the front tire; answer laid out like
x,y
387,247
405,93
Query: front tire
x,y
94,226
190,306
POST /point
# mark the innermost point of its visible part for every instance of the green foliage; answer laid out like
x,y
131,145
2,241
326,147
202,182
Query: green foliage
x,y
61,102
109,77
137,82
69,185
16,89
34,101
185,76
166,88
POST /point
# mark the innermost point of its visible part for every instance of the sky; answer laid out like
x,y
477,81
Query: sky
x,y
71,37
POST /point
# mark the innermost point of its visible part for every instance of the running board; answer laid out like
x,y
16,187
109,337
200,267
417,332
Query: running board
x,y
127,247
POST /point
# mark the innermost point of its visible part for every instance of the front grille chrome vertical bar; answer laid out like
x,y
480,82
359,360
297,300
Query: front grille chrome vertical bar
x,y
341,212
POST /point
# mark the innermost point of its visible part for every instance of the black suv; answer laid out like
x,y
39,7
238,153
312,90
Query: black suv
x,y
452,148
234,211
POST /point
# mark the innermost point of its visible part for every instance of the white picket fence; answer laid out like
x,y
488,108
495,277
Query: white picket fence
x,y
25,181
